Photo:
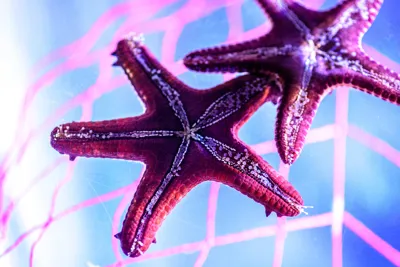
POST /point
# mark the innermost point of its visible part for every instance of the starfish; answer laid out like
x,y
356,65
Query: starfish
x,y
186,136
313,52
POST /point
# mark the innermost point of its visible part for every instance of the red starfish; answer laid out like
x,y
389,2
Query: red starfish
x,y
185,137
313,52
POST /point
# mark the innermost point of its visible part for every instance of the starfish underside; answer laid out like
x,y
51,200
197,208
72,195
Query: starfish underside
x,y
185,137
313,52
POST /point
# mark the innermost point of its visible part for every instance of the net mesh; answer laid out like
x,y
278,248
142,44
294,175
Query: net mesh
x,y
81,53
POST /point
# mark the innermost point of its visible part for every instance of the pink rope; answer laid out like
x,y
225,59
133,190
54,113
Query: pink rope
x,y
80,54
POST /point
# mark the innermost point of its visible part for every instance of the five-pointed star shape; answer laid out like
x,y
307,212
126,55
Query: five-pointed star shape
x,y
185,137
313,52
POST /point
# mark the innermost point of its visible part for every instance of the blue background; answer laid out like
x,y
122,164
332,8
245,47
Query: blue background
x,y
372,182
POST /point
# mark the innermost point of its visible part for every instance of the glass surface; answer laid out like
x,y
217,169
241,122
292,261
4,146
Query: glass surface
x,y
55,67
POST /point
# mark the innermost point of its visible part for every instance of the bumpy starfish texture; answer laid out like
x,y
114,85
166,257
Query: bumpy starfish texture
x,y
313,52
185,137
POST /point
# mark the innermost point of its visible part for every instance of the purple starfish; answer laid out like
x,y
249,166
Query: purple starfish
x,y
313,52
185,137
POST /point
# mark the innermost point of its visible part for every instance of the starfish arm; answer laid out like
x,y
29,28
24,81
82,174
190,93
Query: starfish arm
x,y
348,22
249,56
368,76
151,80
194,164
306,19
252,175
295,115
109,139
235,57
288,15
163,185
248,173
273,8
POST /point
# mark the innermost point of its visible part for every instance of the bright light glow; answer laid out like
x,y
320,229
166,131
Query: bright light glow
x,y
12,79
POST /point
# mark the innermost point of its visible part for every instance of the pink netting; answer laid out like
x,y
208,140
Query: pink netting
x,y
84,55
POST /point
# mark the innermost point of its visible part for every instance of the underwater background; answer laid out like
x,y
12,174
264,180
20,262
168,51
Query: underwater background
x,y
55,67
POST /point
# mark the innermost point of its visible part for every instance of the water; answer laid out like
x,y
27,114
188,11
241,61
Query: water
x,y
56,68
